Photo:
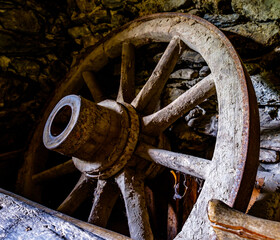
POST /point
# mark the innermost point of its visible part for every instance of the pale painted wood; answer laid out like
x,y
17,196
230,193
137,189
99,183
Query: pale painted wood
x,y
105,196
77,196
131,185
55,172
149,95
229,223
93,86
195,166
127,89
159,121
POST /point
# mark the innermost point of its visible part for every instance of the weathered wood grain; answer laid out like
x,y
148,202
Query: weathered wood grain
x,y
132,189
105,196
126,91
159,121
149,95
195,166
23,219
231,224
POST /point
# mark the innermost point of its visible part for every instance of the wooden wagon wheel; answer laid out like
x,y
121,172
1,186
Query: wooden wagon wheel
x,y
115,136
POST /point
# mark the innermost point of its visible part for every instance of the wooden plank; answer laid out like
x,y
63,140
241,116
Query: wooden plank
x,y
231,224
23,219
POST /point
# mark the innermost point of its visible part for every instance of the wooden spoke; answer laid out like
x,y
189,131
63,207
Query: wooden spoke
x,y
55,172
11,155
195,166
132,189
77,196
127,89
93,86
150,93
159,121
105,196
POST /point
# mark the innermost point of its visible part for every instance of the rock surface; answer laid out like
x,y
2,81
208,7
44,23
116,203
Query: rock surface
x,y
266,34
267,93
20,20
257,10
216,6
222,20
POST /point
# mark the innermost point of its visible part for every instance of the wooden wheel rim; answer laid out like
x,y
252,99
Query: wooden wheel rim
x,y
235,159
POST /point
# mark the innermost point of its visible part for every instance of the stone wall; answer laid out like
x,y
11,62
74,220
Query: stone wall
x,y
40,39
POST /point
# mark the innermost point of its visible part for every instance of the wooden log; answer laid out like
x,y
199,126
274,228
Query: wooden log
x,y
232,224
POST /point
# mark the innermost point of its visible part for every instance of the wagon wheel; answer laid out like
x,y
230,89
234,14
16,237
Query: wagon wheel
x,y
120,124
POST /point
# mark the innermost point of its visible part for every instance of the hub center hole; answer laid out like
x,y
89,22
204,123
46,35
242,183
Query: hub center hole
x,y
61,120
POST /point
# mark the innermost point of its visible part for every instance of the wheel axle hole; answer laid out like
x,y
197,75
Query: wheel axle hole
x,y
61,120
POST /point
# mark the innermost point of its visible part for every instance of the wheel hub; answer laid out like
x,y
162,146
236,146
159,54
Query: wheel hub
x,y
101,137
